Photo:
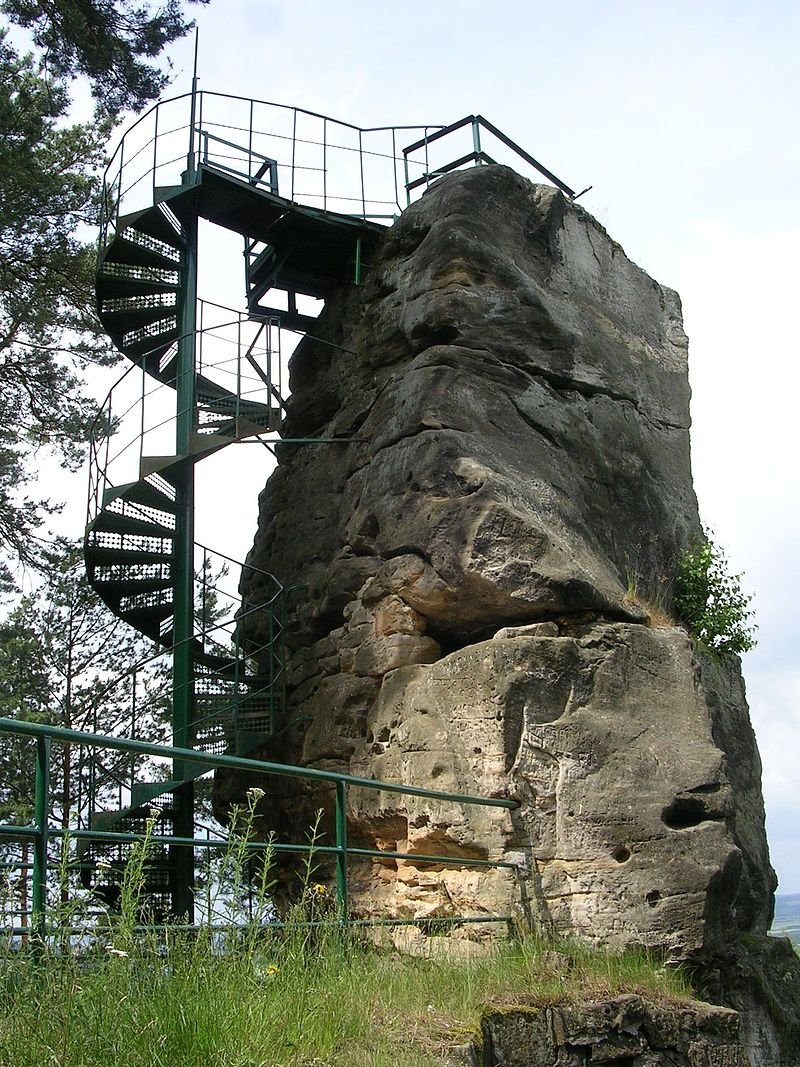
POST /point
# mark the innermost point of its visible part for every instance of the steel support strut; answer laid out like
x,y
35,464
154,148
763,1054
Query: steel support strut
x,y
41,813
183,617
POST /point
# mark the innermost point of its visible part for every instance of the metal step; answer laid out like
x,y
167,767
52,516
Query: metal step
x,y
147,620
251,410
104,556
142,792
151,342
118,286
112,522
120,322
126,249
181,200
153,221
116,502
121,587
143,492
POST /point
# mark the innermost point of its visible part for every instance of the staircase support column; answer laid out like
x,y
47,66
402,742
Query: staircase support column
x,y
183,619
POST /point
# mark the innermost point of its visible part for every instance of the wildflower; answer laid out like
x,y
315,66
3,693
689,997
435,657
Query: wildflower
x,y
262,971
255,794
319,889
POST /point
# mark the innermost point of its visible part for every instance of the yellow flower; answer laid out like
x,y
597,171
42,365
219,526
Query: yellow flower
x,y
319,889
272,969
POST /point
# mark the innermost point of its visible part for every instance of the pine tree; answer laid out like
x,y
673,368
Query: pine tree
x,y
49,182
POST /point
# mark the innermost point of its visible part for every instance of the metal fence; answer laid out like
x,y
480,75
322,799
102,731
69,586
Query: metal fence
x,y
41,832
308,158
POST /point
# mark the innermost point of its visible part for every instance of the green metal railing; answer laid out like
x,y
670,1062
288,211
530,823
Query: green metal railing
x,y
320,161
41,831
501,145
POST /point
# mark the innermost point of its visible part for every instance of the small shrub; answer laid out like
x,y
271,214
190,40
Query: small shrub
x,y
710,601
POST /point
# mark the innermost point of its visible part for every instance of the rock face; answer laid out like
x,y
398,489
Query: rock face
x,y
486,544
622,1030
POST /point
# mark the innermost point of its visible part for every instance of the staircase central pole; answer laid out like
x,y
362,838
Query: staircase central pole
x,y
183,618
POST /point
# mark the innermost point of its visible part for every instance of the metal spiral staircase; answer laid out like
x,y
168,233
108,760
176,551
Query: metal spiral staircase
x,y
139,542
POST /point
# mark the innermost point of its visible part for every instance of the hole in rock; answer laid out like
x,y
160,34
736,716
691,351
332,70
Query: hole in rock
x,y
653,897
428,336
685,812
621,854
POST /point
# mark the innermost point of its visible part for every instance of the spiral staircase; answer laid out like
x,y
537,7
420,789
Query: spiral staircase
x,y
139,540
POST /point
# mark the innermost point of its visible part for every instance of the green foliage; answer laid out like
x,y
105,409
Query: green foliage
x,y
109,42
50,180
710,601
48,174
65,660
310,991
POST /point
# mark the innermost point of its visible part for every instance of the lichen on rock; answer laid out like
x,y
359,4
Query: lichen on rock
x,y
506,488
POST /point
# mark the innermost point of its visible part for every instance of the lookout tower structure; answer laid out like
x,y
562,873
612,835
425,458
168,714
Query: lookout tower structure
x,y
310,198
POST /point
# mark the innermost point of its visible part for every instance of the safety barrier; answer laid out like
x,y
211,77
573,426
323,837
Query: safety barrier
x,y
42,831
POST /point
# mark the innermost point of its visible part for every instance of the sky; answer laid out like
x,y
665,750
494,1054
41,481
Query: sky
x,y
682,116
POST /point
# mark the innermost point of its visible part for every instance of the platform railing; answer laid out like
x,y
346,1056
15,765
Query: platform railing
x,y
471,140
311,159
41,832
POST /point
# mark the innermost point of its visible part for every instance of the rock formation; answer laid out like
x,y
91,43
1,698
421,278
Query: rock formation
x,y
485,547
620,1030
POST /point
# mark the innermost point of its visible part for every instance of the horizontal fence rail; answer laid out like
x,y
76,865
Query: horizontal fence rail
x,y
41,831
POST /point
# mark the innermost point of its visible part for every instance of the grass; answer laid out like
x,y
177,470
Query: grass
x,y
297,998
300,996
655,602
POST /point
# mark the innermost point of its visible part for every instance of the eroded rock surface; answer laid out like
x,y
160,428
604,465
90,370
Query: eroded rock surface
x,y
484,548
621,1030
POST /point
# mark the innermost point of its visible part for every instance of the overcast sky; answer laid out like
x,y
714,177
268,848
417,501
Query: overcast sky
x,y
683,117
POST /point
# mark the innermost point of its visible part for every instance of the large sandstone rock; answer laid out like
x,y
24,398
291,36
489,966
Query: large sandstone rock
x,y
485,544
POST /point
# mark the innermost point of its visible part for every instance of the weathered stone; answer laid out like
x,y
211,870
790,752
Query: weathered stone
x,y
394,616
622,1030
379,655
515,395
534,629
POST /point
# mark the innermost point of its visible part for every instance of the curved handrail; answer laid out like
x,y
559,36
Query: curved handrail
x,y
170,122
359,170
134,412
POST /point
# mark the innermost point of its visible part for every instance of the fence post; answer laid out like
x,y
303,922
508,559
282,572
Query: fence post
x,y
357,270
41,811
476,138
341,850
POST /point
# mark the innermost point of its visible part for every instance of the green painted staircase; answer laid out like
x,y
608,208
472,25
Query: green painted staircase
x,y
132,540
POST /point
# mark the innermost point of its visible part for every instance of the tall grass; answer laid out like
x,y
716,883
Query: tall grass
x,y
298,996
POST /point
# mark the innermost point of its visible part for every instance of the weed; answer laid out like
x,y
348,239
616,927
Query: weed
x,y
655,600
